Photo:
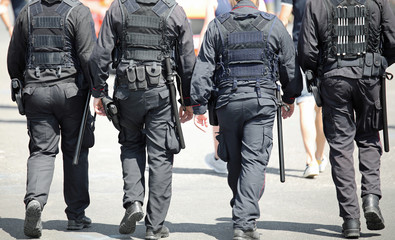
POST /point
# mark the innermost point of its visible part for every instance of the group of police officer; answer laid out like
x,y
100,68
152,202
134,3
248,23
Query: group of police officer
x,y
247,57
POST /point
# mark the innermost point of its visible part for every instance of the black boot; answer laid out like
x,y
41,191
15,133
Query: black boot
x,y
133,214
351,228
374,219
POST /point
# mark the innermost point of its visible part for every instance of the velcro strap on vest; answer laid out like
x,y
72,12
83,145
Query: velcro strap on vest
x,y
160,8
44,58
245,37
47,22
143,55
131,5
143,22
250,54
36,8
143,39
47,41
252,71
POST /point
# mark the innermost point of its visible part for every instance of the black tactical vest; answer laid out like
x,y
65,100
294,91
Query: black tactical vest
x,y
49,45
353,41
144,28
246,55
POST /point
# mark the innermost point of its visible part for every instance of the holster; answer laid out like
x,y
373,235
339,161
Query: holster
x,y
313,86
111,111
212,112
16,94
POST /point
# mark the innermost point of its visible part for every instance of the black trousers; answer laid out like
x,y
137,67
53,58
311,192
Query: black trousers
x,y
351,112
245,142
146,123
54,113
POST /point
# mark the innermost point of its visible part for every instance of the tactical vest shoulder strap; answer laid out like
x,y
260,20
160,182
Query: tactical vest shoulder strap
x,y
162,6
35,7
262,20
131,5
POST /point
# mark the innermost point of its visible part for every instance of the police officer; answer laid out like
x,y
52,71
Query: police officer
x,y
243,54
348,45
48,53
144,33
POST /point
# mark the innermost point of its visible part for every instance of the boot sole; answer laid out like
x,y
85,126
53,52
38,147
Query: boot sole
x,y
351,233
373,219
32,226
128,226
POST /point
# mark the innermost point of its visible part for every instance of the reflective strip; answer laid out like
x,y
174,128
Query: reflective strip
x,y
47,22
48,41
142,21
52,58
143,39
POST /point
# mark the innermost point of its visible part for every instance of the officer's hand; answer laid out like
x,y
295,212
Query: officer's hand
x,y
201,122
287,110
185,115
98,106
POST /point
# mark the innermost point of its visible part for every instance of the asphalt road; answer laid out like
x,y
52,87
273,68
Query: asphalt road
x,y
299,209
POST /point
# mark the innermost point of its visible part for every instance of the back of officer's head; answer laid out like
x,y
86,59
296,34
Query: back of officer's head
x,y
234,2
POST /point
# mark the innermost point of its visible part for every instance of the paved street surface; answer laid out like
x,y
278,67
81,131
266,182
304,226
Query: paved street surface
x,y
299,209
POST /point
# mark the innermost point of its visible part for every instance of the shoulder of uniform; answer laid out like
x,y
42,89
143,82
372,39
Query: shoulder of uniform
x,y
169,3
223,17
268,16
72,3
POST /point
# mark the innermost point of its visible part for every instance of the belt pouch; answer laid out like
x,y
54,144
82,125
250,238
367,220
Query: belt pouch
x,y
131,73
140,74
153,73
367,67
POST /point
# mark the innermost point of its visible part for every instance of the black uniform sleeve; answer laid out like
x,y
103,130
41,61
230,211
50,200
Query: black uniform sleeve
x,y
83,32
16,57
289,72
185,54
202,83
308,50
101,56
388,32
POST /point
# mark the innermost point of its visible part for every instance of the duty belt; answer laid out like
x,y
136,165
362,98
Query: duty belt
x,y
245,89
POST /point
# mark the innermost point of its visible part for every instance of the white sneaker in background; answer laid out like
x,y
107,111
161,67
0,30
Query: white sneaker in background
x,y
311,170
217,165
322,163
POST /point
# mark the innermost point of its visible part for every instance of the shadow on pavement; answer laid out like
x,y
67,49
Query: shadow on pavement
x,y
309,228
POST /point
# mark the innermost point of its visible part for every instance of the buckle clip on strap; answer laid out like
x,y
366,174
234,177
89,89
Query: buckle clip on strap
x,y
258,87
37,72
58,71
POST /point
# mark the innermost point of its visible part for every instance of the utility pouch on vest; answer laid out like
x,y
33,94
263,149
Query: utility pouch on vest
x,y
153,73
367,67
131,73
141,80
16,94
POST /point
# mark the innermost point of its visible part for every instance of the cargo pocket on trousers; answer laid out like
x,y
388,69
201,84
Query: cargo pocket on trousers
x,y
89,135
377,116
153,73
222,151
171,140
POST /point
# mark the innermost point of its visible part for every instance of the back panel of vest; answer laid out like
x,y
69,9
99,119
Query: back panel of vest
x,y
144,29
246,55
49,46
350,28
